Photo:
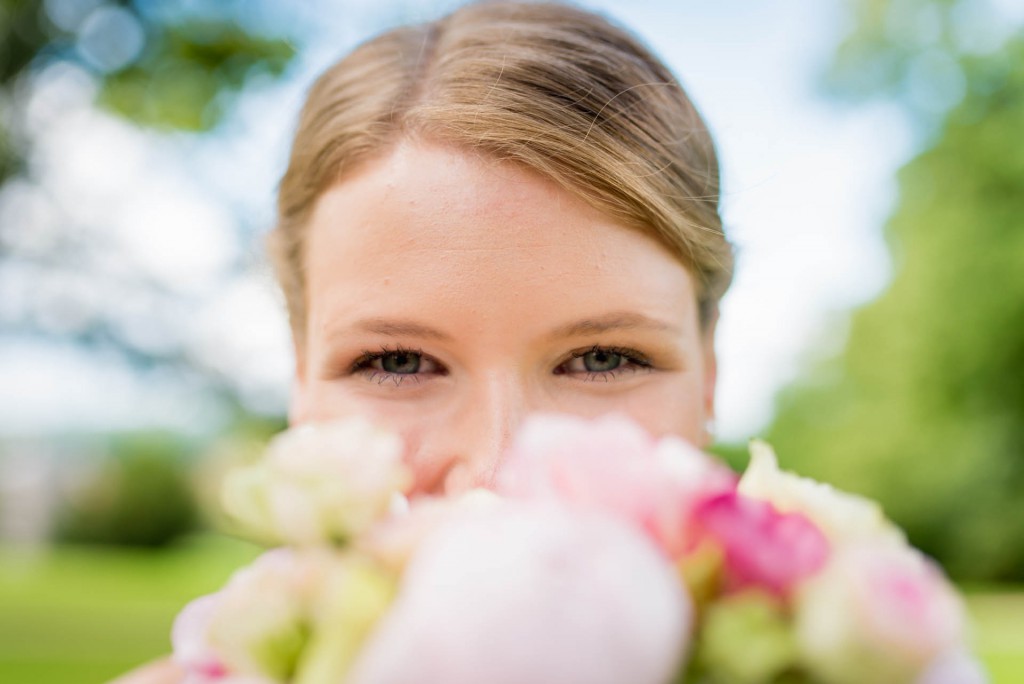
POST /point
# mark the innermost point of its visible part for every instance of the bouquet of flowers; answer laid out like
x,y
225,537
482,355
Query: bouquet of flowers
x,y
602,555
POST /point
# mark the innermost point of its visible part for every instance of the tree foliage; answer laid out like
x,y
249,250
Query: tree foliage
x,y
171,66
141,497
179,80
924,408
168,69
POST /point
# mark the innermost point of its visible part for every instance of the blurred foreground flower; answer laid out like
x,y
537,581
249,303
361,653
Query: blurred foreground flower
x,y
611,465
603,556
761,547
842,517
319,484
523,593
877,613
292,615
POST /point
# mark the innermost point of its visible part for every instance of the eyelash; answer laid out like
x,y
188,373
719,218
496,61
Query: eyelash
x,y
634,361
362,365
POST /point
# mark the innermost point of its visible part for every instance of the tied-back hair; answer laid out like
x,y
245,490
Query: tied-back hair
x,y
557,89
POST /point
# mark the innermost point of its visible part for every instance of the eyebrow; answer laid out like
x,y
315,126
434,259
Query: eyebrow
x,y
401,328
617,320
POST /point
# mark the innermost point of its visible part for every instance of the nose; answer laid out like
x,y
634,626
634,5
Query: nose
x,y
482,429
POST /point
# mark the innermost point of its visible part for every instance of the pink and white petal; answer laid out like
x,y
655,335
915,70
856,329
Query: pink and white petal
x,y
190,639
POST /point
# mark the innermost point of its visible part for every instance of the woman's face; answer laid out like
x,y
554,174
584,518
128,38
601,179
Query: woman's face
x,y
451,295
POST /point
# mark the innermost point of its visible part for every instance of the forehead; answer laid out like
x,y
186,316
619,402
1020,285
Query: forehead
x,y
430,225
429,192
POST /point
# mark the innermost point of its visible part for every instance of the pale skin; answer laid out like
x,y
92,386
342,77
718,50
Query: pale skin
x,y
451,295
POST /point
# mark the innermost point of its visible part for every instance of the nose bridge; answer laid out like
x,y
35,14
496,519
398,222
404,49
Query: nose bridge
x,y
495,409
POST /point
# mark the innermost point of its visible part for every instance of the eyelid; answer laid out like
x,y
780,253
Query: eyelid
x,y
628,352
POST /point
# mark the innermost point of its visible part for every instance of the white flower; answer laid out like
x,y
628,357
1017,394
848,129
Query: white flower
x,y
842,517
320,483
293,615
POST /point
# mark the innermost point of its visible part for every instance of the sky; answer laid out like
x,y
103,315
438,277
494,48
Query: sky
x,y
806,188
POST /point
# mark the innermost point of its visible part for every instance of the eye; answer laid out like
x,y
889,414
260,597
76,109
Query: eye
x,y
396,365
603,362
401,362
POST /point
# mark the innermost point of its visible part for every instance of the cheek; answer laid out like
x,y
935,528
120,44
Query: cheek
x,y
325,401
312,406
672,407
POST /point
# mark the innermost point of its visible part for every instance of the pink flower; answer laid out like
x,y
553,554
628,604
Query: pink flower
x,y
531,593
762,547
877,613
612,465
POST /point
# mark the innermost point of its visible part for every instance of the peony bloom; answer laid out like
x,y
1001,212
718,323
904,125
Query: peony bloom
x,y
612,465
877,614
253,626
191,641
761,547
531,593
320,483
284,616
395,540
842,517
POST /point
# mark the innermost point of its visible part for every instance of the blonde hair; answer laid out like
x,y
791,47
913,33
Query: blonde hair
x,y
554,88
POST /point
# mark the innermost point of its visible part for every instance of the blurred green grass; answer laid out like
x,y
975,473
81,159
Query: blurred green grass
x,y
87,614
80,615
998,624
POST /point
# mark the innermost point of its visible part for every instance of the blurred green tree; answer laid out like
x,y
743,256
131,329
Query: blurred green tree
x,y
171,66
163,65
924,408
141,496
